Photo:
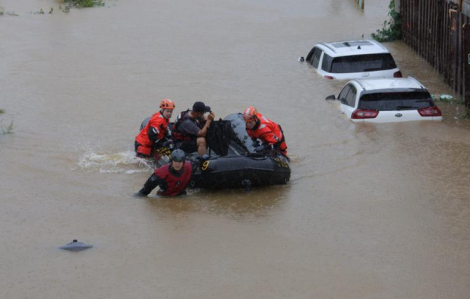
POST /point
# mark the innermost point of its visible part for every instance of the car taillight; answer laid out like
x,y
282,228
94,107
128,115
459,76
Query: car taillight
x,y
430,111
397,75
329,77
364,113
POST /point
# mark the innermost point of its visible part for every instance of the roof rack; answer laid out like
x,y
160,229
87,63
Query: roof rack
x,y
329,47
417,82
360,83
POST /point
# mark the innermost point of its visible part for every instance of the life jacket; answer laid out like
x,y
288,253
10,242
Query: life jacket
x,y
175,184
158,126
179,136
270,133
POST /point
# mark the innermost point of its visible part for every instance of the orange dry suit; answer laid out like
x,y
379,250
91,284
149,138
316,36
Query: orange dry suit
x,y
155,130
269,133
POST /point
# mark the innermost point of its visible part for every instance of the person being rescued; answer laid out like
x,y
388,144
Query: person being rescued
x,y
268,132
190,129
155,133
172,178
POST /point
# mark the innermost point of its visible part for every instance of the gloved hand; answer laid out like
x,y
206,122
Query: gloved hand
x,y
163,186
259,148
168,144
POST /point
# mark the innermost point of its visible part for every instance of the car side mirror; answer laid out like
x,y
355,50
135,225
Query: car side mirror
x,y
331,97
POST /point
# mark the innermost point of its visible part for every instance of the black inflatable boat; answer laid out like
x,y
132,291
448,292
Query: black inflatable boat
x,y
232,162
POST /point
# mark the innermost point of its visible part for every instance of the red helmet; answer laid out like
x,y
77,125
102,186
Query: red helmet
x,y
167,104
250,114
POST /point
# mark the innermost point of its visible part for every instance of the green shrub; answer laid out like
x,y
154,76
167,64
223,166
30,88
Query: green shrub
x,y
391,29
84,3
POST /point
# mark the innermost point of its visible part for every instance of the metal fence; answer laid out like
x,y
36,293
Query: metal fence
x,y
440,33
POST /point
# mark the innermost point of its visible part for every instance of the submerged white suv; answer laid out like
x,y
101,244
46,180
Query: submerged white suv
x,y
387,100
353,59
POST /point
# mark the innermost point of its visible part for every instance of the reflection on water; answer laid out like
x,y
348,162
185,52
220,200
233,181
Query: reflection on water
x,y
234,204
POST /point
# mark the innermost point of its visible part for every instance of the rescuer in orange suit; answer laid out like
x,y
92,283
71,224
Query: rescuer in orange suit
x,y
268,132
154,134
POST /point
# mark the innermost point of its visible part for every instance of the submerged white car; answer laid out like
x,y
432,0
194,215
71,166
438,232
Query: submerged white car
x,y
387,100
352,60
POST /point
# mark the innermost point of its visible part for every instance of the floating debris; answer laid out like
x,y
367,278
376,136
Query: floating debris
x,y
442,97
301,59
8,13
76,246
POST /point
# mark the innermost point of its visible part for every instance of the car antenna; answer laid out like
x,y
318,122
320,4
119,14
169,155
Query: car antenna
x,y
358,47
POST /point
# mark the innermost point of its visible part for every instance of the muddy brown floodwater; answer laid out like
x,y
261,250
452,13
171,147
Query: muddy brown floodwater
x,y
372,211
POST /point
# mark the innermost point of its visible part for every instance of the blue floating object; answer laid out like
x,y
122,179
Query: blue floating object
x,y
76,246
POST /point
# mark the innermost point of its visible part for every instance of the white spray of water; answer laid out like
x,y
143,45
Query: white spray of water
x,y
124,162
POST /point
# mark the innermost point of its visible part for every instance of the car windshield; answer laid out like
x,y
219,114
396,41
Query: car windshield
x,y
362,63
391,101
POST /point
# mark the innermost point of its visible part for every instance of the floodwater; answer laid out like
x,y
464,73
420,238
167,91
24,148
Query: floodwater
x,y
372,211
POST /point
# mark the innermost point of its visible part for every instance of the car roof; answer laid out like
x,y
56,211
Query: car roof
x,y
389,83
359,47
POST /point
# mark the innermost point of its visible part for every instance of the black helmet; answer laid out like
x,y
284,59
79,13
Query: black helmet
x,y
178,155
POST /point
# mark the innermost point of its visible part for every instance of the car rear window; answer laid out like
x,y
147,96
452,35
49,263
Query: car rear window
x,y
391,101
362,63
